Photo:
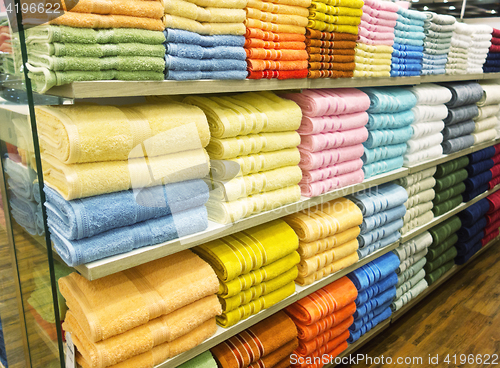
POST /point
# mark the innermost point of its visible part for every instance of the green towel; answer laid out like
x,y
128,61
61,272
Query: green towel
x,y
447,256
96,50
451,166
435,251
446,206
442,231
204,360
66,34
432,277
450,180
449,193
123,63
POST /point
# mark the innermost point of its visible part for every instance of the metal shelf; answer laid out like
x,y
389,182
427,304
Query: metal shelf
x,y
103,89
111,265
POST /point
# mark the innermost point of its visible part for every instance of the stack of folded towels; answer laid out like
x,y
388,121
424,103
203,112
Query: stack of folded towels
x,y
323,319
478,51
491,230
266,344
425,143
492,64
442,252
256,269
420,189
375,39
411,273
204,39
389,119
480,172
437,42
332,132
254,153
461,41
275,35
462,109
495,170
408,43
331,37
450,185
93,42
383,211
376,284
487,121
131,181
172,301
327,238
473,230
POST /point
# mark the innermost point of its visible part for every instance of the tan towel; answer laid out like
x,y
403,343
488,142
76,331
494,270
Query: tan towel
x,y
85,20
134,8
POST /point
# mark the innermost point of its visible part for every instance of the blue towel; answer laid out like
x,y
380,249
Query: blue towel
x,y
408,48
458,130
462,113
464,93
494,63
473,214
367,317
86,217
432,71
474,182
435,57
407,73
372,304
376,270
412,14
484,154
493,56
389,121
389,99
381,218
381,198
381,232
410,21
479,167
198,52
432,63
409,35
383,166
491,69
457,144
467,196
377,288
407,54
27,214
185,64
406,60
463,247
196,75
408,41
408,28
186,37
128,238
462,259
466,233
406,67
366,328
383,153
367,250
377,138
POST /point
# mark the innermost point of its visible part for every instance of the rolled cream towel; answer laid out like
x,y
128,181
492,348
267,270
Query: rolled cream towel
x,y
332,123
421,197
491,95
416,177
328,270
485,124
487,111
210,15
267,161
308,250
325,141
90,179
418,210
324,186
420,186
486,135
311,176
316,160
103,307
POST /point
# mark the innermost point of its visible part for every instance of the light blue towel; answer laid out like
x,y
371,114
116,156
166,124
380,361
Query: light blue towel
x,y
86,217
431,63
185,64
412,14
406,73
389,99
411,22
408,28
381,167
381,232
377,288
377,301
409,35
389,121
196,75
433,71
381,198
25,213
407,60
366,328
377,138
407,54
435,57
406,67
198,52
366,251
181,36
408,41
381,218
401,47
128,238
383,153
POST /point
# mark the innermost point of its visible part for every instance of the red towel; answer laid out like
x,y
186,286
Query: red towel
x,y
492,227
490,237
495,41
496,159
494,200
494,48
492,217
496,32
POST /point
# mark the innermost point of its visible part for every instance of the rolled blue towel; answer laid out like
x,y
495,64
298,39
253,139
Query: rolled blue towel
x,y
86,217
186,37
199,52
377,138
406,73
491,69
377,288
408,41
462,113
409,35
407,54
484,154
479,167
458,130
183,75
366,328
463,247
408,28
433,71
381,218
408,67
374,271
389,121
467,196
473,214
389,99
184,64
383,166
466,233
464,93
474,182
382,198
183,50
457,144
381,232
412,14
128,238
225,75
383,153
366,251
374,303
460,260
362,320
406,60
25,213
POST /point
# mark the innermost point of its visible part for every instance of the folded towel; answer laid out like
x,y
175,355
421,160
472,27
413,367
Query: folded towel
x,y
324,141
86,20
449,193
416,177
427,128
451,166
367,250
413,246
307,250
384,284
464,93
337,170
329,269
181,22
260,162
459,129
436,251
383,153
204,360
429,112
374,271
316,160
40,50
379,233
458,144
332,123
377,138
326,185
442,208
202,14
421,197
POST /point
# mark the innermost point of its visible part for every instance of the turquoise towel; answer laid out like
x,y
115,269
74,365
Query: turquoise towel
x,y
389,99
408,41
409,35
377,138
383,153
389,121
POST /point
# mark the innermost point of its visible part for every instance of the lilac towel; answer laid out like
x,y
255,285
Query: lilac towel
x,y
378,21
381,14
376,28
316,160
310,176
324,141
324,186
375,35
333,123
375,42
382,5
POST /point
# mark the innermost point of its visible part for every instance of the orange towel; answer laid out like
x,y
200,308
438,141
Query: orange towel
x,y
273,27
332,348
314,74
273,36
332,66
262,44
267,54
276,357
331,58
330,36
322,51
259,65
330,44
84,20
145,9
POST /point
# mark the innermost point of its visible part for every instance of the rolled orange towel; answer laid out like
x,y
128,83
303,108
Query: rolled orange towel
x,y
331,58
257,65
330,36
267,54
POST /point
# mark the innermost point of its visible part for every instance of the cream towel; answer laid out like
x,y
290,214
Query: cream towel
x,y
485,124
379,49
231,4
192,11
372,68
417,222
328,270
70,133
374,61
267,161
420,186
365,73
486,135
421,197
418,210
90,179
228,212
372,55
173,21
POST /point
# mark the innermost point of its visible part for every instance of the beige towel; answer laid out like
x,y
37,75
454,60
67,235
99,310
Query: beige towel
x,y
192,11
85,20
307,250
267,161
136,8
174,21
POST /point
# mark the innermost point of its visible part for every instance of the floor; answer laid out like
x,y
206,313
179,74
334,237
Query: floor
x,y
460,317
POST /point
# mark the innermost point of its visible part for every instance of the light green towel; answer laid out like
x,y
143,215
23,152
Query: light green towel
x,y
66,34
96,50
204,360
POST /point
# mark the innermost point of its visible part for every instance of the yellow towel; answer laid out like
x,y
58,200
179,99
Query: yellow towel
x,y
231,318
310,265
162,352
328,270
272,27
146,9
248,250
301,3
373,67
85,20
70,133
226,148
229,212
374,61
378,56
192,11
278,9
244,186
365,73
230,4
335,10
328,27
268,272
293,20
145,337
335,19
325,220
90,179
120,302
307,250
375,48
264,288
174,21
357,4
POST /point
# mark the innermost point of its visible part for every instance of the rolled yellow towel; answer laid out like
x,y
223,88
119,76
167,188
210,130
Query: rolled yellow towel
x,y
232,4
328,270
267,161
192,11
179,22
278,9
307,250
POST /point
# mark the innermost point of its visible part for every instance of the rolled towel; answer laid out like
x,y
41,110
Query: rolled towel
x,y
457,144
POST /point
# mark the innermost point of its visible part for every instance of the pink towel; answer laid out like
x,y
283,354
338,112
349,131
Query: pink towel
x,y
316,160
330,171
323,141
333,123
368,41
381,14
378,21
363,32
382,5
376,28
320,102
320,187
